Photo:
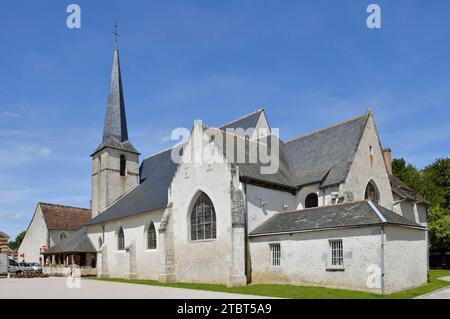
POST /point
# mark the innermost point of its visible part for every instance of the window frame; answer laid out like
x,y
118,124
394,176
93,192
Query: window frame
x,y
119,243
375,191
309,196
335,254
275,255
62,234
151,229
213,222
123,165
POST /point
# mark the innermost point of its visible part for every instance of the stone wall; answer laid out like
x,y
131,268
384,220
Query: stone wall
x,y
107,184
138,261
304,258
364,169
36,236
406,258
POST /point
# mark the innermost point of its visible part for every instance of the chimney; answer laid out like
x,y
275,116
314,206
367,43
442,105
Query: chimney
x,y
388,159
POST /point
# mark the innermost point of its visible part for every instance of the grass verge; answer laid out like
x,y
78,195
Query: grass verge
x,y
300,292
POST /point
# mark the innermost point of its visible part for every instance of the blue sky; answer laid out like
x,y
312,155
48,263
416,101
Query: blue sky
x,y
310,64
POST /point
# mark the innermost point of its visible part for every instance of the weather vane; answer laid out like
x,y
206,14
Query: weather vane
x,y
116,35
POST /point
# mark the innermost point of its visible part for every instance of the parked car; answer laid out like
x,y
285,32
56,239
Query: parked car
x,y
4,265
36,267
13,267
25,267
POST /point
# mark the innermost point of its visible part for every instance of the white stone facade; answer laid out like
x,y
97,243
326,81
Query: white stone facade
x,y
233,260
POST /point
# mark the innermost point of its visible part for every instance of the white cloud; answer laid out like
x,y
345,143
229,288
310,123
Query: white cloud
x,y
9,114
45,151
10,216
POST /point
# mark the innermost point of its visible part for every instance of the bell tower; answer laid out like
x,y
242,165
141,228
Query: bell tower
x,y
115,163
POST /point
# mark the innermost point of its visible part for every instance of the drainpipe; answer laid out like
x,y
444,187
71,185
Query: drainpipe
x,y
382,260
246,231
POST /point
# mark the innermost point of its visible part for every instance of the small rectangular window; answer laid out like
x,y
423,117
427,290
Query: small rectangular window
x,y
275,255
336,254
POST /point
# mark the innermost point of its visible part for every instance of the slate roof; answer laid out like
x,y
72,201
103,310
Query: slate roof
x,y
403,191
4,235
59,217
246,122
346,215
115,131
156,174
78,242
253,170
326,155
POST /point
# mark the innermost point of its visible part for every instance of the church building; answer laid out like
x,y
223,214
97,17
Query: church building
x,y
321,209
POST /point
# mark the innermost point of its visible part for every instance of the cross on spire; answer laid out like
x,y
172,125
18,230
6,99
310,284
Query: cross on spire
x,y
116,35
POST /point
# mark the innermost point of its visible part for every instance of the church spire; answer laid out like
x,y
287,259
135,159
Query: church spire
x,y
115,131
115,120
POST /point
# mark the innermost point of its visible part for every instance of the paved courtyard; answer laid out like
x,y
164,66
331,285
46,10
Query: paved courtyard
x,y
57,288
440,294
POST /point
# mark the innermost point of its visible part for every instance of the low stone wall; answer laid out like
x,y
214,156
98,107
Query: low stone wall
x,y
67,271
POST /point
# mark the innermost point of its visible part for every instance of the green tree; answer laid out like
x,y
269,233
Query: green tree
x,y
432,183
15,244
408,174
439,229
437,175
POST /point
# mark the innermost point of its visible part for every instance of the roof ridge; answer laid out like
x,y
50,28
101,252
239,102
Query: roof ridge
x,y
257,141
60,205
327,128
163,151
243,117
324,206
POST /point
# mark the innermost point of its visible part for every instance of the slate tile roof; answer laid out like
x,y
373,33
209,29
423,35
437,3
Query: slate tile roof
x,y
245,122
352,214
78,242
324,156
403,191
59,217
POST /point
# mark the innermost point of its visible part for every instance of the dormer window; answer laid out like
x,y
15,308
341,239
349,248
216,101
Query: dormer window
x,y
123,165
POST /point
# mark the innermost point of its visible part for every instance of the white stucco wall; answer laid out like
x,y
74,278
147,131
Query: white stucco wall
x,y
36,236
411,210
135,229
207,260
274,202
406,258
304,258
363,170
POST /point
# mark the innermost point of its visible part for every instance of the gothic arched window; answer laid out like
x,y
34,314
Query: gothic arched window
x,y
151,237
62,236
123,165
312,200
121,240
203,219
372,192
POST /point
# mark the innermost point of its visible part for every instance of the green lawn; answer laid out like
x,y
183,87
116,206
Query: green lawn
x,y
302,292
